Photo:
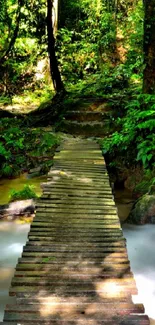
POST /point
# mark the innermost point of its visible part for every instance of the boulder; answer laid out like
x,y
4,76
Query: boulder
x,y
17,208
143,210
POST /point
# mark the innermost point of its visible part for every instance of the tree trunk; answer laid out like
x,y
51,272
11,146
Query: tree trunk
x,y
55,73
149,47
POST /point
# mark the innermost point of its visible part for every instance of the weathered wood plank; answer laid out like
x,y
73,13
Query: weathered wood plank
x,y
76,289
78,241
79,281
87,273
66,245
126,320
108,263
93,236
77,224
72,310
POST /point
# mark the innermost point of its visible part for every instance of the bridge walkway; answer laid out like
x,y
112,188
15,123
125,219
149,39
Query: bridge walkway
x,y
74,268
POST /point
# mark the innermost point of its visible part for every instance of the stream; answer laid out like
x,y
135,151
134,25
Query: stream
x,y
140,244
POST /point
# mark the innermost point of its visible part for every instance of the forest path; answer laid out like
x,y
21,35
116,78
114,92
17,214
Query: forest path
x,y
74,269
94,119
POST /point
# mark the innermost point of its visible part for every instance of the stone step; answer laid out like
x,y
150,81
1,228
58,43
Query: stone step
x,y
94,129
83,116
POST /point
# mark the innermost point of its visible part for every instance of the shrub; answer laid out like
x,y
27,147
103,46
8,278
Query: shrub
x,y
26,193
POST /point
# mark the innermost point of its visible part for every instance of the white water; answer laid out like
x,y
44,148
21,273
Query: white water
x,y
12,238
141,250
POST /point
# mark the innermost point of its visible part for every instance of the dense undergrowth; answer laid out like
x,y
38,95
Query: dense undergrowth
x,y
133,146
22,148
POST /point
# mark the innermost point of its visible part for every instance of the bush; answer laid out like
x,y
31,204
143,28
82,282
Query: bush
x,y
135,141
22,148
26,193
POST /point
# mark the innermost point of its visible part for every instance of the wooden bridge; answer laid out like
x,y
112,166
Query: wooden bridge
x,y
74,269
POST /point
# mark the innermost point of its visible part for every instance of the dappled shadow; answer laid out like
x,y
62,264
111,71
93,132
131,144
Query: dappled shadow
x,y
75,265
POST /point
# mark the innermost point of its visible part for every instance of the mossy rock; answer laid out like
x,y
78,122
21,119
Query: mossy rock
x,y
143,211
142,188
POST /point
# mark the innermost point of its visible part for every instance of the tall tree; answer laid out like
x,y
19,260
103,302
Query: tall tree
x,y
149,47
54,69
14,33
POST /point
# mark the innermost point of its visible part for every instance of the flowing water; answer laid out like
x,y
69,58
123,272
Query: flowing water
x,y
141,250
12,238
140,244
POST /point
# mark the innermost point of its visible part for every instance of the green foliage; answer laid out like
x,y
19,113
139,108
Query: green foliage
x,y
26,193
22,149
133,41
147,183
22,24
136,139
84,48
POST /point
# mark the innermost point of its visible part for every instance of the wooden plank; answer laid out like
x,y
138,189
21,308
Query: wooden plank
x,y
77,290
85,273
71,249
93,236
63,257
130,320
75,211
68,206
85,166
46,260
48,227
48,217
75,309
80,224
105,216
64,240
76,281
77,185
65,245
71,193
65,196
78,192
74,203
72,265
77,174
76,200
